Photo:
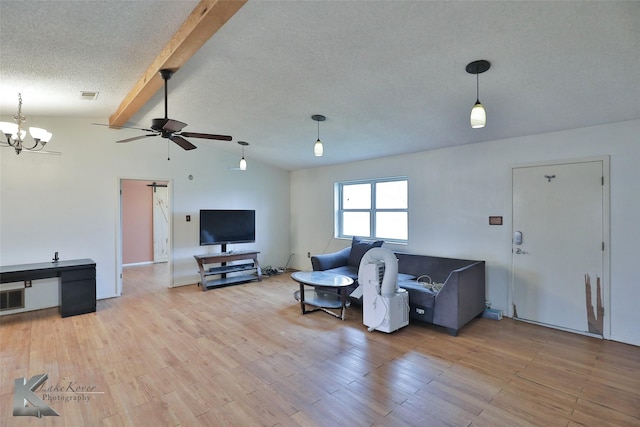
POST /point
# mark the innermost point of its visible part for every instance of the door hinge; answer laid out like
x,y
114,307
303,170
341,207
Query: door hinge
x,y
602,180
603,246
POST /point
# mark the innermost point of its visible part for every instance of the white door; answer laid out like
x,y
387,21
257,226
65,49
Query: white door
x,y
160,224
558,245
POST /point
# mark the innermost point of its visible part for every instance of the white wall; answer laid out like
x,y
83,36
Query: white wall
x,y
70,203
453,191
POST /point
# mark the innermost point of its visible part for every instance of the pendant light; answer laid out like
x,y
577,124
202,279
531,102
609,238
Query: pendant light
x,y
478,116
243,162
318,149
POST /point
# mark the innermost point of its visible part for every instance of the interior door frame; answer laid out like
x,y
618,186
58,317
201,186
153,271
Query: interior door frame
x,y
606,234
119,228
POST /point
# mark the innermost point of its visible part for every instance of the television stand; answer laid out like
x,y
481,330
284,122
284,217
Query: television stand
x,y
249,271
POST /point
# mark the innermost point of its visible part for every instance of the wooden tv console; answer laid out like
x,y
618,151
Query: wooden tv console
x,y
250,270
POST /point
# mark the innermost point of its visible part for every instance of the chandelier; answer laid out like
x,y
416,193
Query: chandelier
x,y
15,134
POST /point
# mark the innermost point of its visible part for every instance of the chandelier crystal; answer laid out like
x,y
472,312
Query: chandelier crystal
x,y
16,135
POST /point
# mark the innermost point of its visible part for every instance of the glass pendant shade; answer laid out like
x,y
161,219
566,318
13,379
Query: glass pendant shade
x,y
478,116
318,149
40,134
8,128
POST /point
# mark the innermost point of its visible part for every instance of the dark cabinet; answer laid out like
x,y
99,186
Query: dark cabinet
x,y
77,291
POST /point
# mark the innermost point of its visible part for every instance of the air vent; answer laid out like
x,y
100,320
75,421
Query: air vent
x,y
89,95
12,299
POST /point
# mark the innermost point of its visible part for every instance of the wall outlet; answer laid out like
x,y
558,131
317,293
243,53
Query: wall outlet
x,y
308,254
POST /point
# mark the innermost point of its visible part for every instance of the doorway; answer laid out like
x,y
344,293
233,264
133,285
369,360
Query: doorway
x,y
144,232
560,246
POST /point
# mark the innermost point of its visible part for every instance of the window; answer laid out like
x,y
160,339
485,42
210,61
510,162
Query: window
x,y
376,208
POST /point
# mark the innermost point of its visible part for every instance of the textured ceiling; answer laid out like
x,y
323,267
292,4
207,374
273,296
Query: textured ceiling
x,y
390,76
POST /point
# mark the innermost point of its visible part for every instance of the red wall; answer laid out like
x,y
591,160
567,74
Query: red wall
x,y
137,222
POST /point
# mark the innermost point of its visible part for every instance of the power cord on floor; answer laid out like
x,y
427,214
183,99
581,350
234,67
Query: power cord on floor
x,y
272,271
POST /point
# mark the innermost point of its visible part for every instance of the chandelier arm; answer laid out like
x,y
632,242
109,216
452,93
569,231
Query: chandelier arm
x,y
33,147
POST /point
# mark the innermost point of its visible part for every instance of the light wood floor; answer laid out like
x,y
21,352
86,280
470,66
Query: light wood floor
x,y
244,356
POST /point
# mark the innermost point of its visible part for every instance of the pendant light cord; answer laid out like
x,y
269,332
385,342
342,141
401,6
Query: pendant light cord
x,y
477,86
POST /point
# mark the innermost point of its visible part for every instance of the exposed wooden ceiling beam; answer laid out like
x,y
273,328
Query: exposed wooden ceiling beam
x,y
203,22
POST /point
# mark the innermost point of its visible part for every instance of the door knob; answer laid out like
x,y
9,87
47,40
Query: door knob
x,y
517,238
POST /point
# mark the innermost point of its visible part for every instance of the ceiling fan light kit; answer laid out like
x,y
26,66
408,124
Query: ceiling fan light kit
x,y
318,149
15,134
478,118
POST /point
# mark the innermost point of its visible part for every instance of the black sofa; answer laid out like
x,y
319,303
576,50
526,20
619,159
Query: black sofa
x,y
461,298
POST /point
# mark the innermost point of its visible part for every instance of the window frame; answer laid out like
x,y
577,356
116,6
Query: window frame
x,y
340,210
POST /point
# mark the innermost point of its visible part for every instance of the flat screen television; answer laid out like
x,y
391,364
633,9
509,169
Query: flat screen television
x,y
219,227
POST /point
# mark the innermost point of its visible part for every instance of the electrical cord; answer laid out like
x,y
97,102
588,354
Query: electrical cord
x,y
328,243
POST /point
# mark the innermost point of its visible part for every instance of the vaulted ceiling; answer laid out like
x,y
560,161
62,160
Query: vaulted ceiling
x,y
389,76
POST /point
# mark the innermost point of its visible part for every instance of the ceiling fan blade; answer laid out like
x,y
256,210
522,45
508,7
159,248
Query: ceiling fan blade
x,y
136,138
173,125
206,136
182,142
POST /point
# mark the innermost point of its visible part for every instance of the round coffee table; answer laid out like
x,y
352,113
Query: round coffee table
x,y
323,296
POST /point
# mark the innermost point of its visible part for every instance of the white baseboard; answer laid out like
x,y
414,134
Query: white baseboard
x,y
136,264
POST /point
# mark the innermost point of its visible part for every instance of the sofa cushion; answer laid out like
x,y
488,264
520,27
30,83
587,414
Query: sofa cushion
x,y
359,248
